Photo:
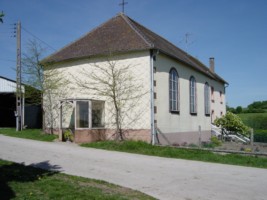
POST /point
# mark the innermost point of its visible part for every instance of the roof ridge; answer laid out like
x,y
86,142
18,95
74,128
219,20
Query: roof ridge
x,y
130,21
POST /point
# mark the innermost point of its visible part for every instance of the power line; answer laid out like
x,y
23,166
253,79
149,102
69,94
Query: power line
x,y
7,60
38,38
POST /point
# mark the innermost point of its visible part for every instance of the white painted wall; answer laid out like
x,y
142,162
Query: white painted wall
x,y
139,116
184,121
218,104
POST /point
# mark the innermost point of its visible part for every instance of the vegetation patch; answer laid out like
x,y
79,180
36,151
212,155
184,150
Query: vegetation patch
x,y
140,147
34,134
255,120
260,136
25,182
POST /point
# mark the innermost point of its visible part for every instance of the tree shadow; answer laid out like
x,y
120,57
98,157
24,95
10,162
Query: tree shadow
x,y
13,172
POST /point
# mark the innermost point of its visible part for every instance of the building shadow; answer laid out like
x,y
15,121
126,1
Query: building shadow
x,y
13,172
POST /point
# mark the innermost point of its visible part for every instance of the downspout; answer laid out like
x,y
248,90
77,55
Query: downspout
x,y
225,86
153,54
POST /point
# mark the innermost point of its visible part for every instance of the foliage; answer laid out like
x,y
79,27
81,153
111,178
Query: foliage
x,y
216,141
68,136
258,105
34,134
1,17
255,120
232,123
255,107
173,152
260,136
28,182
239,109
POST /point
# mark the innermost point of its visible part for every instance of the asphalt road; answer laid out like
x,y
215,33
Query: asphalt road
x,y
162,178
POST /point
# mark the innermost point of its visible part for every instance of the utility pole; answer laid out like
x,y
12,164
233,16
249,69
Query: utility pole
x,y
18,112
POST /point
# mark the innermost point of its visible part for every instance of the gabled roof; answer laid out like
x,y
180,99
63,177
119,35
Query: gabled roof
x,y
122,34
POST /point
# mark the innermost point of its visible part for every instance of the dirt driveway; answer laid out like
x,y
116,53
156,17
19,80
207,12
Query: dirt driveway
x,y
162,178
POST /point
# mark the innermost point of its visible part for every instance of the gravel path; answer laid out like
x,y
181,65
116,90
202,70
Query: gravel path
x,y
162,178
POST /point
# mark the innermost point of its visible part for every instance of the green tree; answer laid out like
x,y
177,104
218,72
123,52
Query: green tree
x,y
1,16
239,109
232,123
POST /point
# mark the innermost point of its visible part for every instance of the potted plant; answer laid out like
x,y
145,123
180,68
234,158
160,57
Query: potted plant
x,y
68,135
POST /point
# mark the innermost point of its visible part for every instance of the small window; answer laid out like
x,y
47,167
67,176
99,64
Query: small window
x,y
173,91
212,94
89,114
193,97
97,114
207,99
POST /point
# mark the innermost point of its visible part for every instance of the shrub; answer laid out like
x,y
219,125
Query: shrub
x,y
232,123
215,141
260,136
68,136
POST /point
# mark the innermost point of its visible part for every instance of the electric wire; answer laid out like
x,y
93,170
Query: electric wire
x,y
37,38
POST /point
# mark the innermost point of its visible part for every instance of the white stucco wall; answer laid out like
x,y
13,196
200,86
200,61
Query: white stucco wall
x,y
218,103
139,62
184,121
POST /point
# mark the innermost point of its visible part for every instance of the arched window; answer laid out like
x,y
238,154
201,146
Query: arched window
x,y
207,99
173,90
193,96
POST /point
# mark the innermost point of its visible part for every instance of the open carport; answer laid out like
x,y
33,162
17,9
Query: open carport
x,y
8,102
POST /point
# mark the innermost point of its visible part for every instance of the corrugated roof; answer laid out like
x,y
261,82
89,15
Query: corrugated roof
x,y
122,34
8,85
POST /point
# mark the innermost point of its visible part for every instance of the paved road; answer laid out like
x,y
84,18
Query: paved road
x,y
162,178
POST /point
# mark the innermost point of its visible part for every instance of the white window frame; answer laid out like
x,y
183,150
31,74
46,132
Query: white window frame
x,y
89,115
90,123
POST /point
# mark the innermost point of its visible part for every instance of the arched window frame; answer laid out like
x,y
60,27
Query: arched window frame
x,y
207,99
193,95
174,91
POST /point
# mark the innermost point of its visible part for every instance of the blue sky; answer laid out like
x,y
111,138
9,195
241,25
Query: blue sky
x,y
234,32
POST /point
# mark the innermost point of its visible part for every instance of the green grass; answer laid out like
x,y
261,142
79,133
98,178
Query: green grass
x,y
171,152
255,120
34,134
25,182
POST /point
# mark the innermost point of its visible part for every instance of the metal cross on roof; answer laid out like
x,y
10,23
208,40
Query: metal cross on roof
x,y
122,4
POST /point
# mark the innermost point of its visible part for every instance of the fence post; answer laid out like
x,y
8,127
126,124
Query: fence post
x,y
199,136
252,138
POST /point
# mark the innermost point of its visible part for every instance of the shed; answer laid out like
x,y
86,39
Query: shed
x,y
8,102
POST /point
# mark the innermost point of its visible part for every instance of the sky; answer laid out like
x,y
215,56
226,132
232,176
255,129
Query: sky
x,y
234,32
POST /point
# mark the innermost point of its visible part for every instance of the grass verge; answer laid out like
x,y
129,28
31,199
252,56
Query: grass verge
x,y
25,182
34,134
171,152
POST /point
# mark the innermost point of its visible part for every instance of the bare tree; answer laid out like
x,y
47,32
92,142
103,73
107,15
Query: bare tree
x,y
44,81
119,86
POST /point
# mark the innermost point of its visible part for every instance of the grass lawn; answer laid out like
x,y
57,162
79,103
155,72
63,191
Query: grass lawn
x,y
171,152
34,134
255,120
24,182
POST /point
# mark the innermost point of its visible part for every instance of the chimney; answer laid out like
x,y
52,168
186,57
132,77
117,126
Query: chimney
x,y
212,64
